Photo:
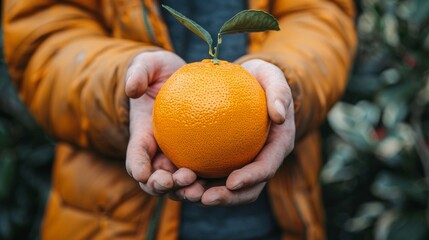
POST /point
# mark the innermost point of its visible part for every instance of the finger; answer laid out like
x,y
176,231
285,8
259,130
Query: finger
x,y
280,143
160,182
150,68
138,162
192,193
184,177
162,162
222,196
142,145
277,90
137,80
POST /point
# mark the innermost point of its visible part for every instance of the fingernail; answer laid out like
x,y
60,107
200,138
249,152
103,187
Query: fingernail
x,y
159,186
280,108
237,186
129,75
181,194
213,202
178,182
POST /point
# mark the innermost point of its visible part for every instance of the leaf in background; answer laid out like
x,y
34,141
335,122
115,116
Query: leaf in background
x,y
364,85
366,22
423,94
389,148
365,216
250,21
351,123
406,134
384,224
402,91
394,225
420,13
394,113
390,76
398,189
191,25
390,29
369,112
338,168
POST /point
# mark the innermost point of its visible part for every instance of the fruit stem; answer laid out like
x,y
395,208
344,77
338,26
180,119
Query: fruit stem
x,y
215,59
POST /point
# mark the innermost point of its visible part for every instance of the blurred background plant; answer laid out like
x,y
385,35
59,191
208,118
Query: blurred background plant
x,y
375,179
376,139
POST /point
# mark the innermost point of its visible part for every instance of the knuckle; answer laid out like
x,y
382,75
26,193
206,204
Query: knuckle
x,y
193,197
252,198
138,177
270,174
283,88
279,87
148,190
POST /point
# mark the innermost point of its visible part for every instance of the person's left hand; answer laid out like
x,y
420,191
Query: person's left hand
x,y
245,184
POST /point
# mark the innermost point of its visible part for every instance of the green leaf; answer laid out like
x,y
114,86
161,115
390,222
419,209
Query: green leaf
x,y
420,13
250,21
398,225
397,189
365,217
411,225
353,124
191,25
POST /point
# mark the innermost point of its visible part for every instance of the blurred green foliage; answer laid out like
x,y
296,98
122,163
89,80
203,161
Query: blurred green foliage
x,y
25,162
375,179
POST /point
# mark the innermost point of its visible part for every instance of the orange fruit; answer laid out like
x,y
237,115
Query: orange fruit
x,y
211,118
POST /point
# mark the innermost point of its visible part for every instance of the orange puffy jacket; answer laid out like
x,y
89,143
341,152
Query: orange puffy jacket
x,y
68,60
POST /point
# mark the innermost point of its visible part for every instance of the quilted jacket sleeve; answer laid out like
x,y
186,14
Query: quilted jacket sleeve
x,y
69,72
314,48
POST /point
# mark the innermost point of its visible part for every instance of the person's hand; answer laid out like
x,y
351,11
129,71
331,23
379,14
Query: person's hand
x,y
155,173
245,184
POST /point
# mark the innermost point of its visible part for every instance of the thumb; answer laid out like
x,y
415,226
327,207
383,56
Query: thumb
x,y
137,79
149,68
277,90
142,145
138,163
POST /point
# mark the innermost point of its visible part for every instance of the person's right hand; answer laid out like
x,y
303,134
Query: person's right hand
x,y
144,162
